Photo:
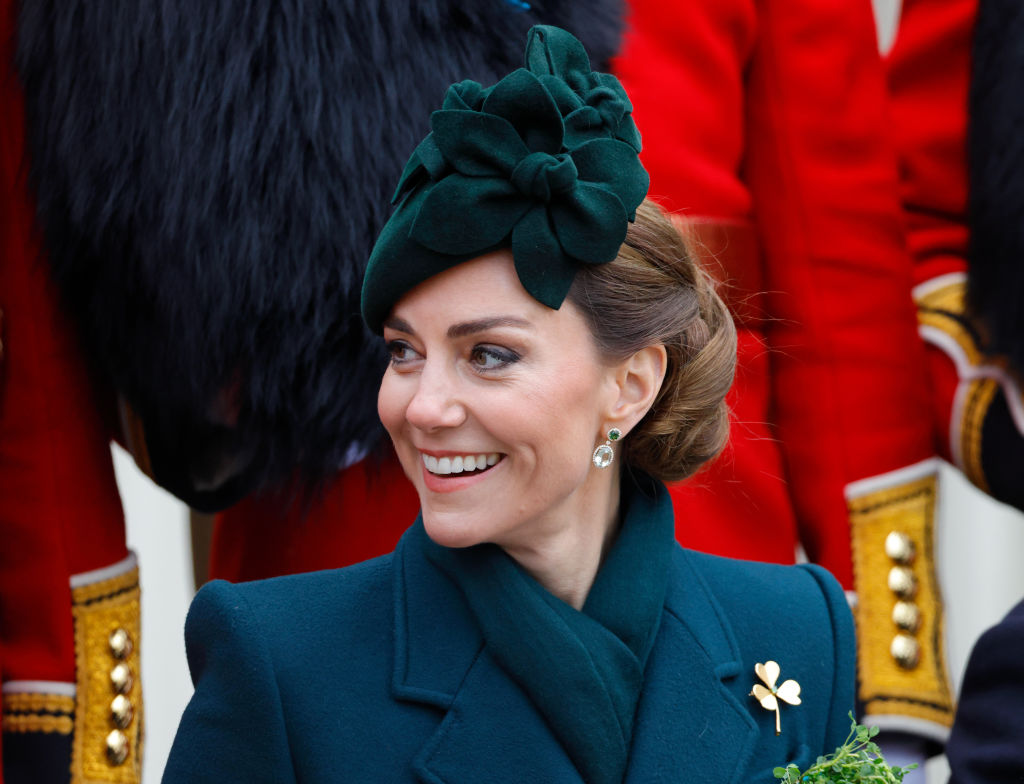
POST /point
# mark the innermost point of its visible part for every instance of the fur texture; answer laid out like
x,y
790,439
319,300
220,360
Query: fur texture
x,y
996,171
210,178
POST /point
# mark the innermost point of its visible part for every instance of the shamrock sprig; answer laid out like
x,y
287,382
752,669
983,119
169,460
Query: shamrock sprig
x,y
858,760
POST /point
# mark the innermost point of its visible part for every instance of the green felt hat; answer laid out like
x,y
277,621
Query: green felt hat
x,y
545,163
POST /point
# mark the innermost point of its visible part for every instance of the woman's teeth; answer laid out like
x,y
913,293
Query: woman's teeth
x,y
458,465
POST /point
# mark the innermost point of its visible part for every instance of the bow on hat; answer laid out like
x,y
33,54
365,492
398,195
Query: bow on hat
x,y
544,162
592,104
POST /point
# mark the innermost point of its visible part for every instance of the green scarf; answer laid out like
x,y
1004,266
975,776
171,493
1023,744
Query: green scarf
x,y
582,669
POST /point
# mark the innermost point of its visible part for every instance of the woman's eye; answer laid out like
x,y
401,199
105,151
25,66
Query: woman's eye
x,y
492,357
401,352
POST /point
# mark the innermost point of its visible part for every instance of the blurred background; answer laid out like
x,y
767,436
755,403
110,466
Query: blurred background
x,y
159,531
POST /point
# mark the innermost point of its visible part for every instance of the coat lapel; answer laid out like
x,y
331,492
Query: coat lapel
x,y
493,733
490,732
690,723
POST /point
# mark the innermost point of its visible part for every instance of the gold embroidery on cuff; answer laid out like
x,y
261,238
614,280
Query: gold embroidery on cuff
x,y
37,702
38,712
106,588
944,308
899,605
38,722
106,615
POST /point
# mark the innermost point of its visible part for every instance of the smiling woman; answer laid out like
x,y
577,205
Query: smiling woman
x,y
529,386
556,354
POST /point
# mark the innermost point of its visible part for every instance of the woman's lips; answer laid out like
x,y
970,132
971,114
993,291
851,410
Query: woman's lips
x,y
452,481
457,464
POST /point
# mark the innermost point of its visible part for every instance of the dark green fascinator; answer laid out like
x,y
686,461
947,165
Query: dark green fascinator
x,y
545,162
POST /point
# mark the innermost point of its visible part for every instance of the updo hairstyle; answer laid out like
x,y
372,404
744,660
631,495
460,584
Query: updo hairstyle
x,y
655,292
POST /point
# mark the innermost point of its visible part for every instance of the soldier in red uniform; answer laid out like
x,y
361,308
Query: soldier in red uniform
x,y
807,158
67,581
835,403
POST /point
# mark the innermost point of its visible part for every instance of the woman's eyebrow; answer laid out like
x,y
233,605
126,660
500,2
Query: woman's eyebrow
x,y
480,325
395,323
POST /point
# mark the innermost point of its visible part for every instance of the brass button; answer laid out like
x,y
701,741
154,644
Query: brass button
x,y
900,548
902,582
117,747
121,678
120,644
906,651
121,711
907,616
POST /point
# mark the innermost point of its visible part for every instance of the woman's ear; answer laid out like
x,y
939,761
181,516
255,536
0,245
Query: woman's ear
x,y
638,380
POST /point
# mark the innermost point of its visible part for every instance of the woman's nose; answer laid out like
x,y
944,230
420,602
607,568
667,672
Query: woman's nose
x,y
436,403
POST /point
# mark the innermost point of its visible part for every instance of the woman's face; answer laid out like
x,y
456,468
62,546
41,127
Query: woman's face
x,y
495,404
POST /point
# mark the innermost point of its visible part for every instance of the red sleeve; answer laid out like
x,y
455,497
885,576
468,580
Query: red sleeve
x,y
60,513
848,366
684,66
928,73
774,114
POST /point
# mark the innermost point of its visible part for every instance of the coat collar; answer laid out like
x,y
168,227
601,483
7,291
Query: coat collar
x,y
689,721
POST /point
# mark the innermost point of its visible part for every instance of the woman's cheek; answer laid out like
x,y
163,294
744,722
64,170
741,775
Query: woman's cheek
x,y
389,407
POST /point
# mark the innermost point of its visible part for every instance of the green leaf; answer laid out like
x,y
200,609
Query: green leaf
x,y
857,760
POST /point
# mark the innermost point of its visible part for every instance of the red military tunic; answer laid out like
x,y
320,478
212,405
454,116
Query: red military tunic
x,y
66,578
929,73
774,116
770,115
928,77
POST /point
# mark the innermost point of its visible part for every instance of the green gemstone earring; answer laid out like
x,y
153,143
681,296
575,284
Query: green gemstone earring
x,y
604,455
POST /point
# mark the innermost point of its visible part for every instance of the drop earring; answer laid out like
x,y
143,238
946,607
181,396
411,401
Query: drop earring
x,y
604,454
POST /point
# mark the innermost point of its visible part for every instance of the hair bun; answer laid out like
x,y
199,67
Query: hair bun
x,y
655,292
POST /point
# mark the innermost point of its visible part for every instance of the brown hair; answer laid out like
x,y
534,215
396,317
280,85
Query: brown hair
x,y
656,293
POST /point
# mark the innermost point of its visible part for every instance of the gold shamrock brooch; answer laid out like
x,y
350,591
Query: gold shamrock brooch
x,y
769,695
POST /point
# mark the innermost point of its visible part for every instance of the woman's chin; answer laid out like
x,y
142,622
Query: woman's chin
x,y
453,530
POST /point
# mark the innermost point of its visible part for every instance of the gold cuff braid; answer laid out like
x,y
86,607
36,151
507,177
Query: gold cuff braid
x,y
38,712
943,307
107,747
899,610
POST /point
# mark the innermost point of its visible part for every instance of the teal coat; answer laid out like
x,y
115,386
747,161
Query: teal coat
x,y
377,673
